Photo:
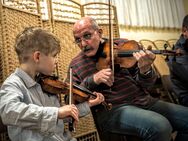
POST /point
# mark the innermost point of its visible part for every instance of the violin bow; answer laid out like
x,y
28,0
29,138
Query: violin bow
x,y
71,123
70,87
111,38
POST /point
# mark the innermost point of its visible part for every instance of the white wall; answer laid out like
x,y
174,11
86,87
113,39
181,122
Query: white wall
x,y
186,6
151,35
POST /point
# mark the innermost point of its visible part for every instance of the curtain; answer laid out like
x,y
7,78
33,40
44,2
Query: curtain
x,y
148,13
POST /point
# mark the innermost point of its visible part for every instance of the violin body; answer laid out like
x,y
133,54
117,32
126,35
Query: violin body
x,y
123,54
52,85
125,60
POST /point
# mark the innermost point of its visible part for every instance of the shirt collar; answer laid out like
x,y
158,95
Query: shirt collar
x,y
100,50
28,81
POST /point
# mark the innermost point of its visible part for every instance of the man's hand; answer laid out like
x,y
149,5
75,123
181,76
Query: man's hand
x,y
145,60
104,76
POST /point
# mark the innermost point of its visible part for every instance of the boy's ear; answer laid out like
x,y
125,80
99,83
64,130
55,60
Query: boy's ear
x,y
36,56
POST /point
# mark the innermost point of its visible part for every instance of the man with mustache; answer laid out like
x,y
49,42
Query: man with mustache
x,y
133,111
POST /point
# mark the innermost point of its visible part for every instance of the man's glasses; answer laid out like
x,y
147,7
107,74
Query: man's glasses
x,y
85,37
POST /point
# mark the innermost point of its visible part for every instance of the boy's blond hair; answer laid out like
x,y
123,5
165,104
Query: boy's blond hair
x,y
35,39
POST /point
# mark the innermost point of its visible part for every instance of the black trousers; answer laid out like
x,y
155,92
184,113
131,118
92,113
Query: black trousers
x,y
179,77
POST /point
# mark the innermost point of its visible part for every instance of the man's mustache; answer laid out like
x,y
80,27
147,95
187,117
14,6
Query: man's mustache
x,y
86,48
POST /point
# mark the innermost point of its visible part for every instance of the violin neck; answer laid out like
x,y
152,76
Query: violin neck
x,y
126,53
130,53
83,89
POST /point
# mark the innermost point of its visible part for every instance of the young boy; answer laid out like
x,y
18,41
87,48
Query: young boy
x,y
30,113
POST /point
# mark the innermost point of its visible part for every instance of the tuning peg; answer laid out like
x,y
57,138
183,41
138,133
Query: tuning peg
x,y
149,47
174,59
173,47
165,46
167,58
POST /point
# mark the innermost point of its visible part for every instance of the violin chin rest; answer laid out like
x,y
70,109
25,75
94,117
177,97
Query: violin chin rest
x,y
117,68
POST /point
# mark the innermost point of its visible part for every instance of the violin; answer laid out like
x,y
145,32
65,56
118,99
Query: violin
x,y
52,85
123,54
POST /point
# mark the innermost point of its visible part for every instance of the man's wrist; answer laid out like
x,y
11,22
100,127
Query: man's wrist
x,y
147,73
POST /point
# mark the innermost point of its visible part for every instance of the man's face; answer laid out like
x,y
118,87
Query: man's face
x,y
185,32
87,38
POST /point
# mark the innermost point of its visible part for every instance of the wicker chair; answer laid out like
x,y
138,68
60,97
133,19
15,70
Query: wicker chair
x,y
160,44
147,43
172,42
162,70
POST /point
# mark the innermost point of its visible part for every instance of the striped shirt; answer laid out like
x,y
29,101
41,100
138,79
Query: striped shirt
x,y
129,85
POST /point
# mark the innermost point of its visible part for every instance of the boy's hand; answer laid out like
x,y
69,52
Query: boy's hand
x,y
98,100
68,110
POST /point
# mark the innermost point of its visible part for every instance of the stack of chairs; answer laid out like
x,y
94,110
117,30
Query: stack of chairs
x,y
160,44
147,43
171,42
161,67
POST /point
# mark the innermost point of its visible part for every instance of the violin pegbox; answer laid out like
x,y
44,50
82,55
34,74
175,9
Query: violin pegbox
x,y
165,48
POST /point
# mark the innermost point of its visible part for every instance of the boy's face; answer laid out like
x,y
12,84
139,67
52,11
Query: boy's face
x,y
47,63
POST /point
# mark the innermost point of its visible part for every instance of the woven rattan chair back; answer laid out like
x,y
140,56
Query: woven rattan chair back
x,y
13,21
100,12
160,44
147,43
172,42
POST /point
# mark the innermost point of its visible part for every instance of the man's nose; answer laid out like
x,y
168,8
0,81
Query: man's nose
x,y
83,43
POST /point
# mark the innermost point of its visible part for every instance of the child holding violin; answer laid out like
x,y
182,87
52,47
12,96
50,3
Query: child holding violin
x,y
179,66
134,111
30,113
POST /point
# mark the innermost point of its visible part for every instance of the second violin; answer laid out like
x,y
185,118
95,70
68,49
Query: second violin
x,y
52,85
